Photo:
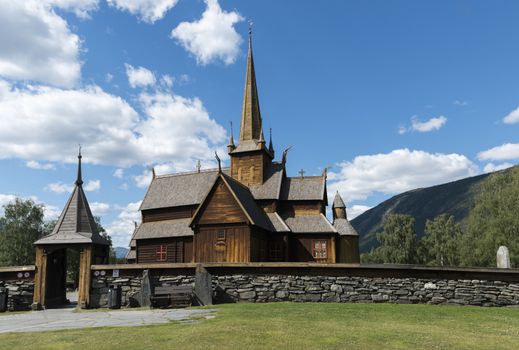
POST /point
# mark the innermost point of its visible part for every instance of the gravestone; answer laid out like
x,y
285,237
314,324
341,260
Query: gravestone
x,y
503,258
203,286
146,289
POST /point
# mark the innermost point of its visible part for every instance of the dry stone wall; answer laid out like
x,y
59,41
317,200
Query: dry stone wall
x,y
252,287
20,293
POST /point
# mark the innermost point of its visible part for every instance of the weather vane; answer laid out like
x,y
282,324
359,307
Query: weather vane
x,y
251,23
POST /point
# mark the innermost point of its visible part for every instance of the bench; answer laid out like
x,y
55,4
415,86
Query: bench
x,y
172,296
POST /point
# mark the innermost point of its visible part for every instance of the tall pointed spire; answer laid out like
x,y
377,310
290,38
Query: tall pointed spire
x,y
79,180
251,124
231,147
271,146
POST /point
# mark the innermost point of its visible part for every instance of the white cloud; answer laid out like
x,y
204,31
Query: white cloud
x,y
167,80
423,126
46,124
4,200
140,76
356,210
121,229
92,185
40,166
428,125
59,188
507,151
81,8
118,173
212,37
99,208
50,212
512,117
491,167
461,103
37,44
109,77
398,171
147,10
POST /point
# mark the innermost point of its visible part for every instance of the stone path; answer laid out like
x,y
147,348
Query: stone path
x,y
57,319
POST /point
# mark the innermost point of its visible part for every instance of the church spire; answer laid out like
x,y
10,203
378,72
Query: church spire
x,y
271,146
231,147
251,125
79,180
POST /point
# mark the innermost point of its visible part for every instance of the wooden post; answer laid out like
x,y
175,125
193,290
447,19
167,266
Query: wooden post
x,y
85,262
333,259
40,279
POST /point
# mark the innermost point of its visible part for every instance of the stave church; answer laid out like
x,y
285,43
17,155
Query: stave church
x,y
249,212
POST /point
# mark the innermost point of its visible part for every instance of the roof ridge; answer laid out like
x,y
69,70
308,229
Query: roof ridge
x,y
190,172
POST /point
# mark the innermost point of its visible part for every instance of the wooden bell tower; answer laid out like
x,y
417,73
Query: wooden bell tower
x,y
251,158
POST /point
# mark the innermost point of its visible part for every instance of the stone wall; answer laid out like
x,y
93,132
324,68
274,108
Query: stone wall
x,y
326,285
130,287
19,283
266,288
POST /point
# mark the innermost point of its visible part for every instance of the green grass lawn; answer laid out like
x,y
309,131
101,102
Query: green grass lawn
x,y
303,326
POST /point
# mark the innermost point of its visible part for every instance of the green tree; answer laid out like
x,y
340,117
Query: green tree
x,y
493,221
439,245
20,227
398,243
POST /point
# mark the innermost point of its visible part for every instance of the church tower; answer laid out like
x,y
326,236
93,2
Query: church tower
x,y
251,158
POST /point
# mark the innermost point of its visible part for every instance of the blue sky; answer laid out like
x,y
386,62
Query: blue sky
x,y
391,95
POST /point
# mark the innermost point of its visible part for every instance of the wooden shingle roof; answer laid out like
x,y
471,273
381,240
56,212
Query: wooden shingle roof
x,y
76,224
165,228
179,189
310,224
344,227
303,188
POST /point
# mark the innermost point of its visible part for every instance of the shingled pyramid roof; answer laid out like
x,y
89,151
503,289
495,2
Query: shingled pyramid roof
x,y
338,202
76,223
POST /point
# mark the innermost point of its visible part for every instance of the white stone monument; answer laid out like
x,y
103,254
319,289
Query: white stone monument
x,y
503,258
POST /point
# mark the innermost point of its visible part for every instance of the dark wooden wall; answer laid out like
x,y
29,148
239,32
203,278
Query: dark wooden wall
x,y
221,207
168,213
300,208
242,164
179,249
234,248
348,250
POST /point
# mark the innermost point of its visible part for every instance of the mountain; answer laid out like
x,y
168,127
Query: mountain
x,y
454,198
120,252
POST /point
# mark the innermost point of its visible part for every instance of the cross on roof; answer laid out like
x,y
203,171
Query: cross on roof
x,y
302,173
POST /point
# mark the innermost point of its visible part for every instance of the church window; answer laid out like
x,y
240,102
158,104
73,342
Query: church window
x,y
162,252
220,235
319,249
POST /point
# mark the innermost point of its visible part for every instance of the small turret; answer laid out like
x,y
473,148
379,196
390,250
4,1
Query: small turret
x,y
339,208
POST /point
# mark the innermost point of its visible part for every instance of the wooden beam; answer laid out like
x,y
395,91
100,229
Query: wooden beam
x,y
85,262
40,278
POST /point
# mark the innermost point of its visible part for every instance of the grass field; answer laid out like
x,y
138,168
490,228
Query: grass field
x,y
303,326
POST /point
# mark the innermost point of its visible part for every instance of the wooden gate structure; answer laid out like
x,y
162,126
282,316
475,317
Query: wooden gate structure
x,y
75,229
